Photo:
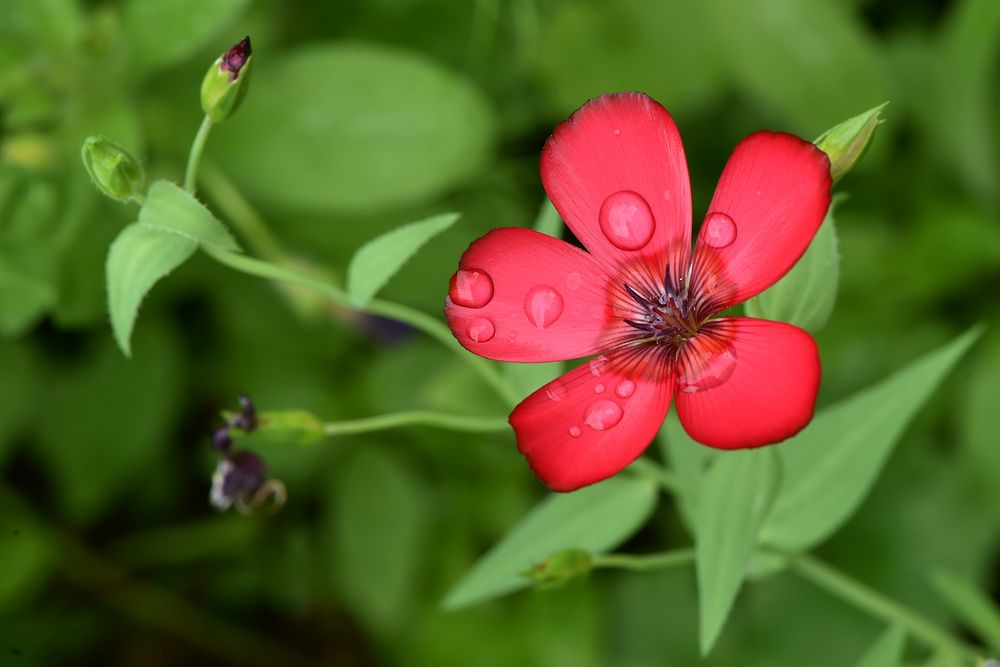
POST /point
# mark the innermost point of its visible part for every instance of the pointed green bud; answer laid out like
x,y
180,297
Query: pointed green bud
x,y
561,568
282,427
847,142
226,81
115,173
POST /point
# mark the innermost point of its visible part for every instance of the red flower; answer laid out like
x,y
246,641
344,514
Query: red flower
x,y
642,299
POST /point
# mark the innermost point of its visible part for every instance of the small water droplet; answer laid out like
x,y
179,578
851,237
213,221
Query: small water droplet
x,y
718,231
481,330
574,431
543,305
556,391
617,131
598,366
599,389
666,195
625,389
471,288
626,220
573,280
602,415
705,369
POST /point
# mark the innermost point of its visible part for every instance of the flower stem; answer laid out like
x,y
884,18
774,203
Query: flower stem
x,y
861,596
645,562
241,214
465,423
194,157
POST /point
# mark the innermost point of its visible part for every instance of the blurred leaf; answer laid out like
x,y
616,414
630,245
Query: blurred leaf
x,y
887,651
733,502
197,541
24,299
170,207
973,607
850,441
354,127
137,260
377,524
689,461
163,32
548,221
595,519
20,391
805,295
28,557
377,261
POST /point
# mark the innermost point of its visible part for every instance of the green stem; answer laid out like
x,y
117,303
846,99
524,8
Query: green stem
x,y
645,562
244,218
466,423
194,157
861,596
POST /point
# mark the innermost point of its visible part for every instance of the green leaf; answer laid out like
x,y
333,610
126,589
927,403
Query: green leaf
x,y
162,32
29,555
170,207
139,257
689,461
887,651
24,299
805,295
732,504
354,127
850,441
378,260
596,519
973,607
548,221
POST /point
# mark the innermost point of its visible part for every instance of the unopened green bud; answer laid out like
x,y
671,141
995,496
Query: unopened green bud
x,y
115,173
847,142
226,81
285,427
561,568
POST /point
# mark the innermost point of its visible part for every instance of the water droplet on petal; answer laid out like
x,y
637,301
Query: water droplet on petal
x,y
556,391
625,389
599,389
481,330
598,366
543,305
666,195
626,220
705,369
602,415
471,288
718,231
617,131
573,280
574,431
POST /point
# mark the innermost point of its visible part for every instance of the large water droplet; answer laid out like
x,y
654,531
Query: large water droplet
x,y
598,366
625,389
602,415
626,220
706,369
481,330
574,431
556,391
599,389
573,280
471,288
543,305
718,231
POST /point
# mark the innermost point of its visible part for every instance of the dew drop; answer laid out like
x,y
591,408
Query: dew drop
x,y
573,280
574,431
556,391
471,288
705,370
666,195
626,220
625,389
602,415
543,305
617,131
718,231
598,366
481,330
599,389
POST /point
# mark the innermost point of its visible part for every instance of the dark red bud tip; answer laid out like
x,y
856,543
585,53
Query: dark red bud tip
x,y
235,58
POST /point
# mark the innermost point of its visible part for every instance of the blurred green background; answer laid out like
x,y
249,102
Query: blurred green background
x,y
365,115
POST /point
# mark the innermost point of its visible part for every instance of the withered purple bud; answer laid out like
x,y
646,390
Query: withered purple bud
x,y
221,441
237,478
235,58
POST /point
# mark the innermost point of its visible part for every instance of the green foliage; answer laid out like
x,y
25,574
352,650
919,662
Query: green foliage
x,y
170,208
975,609
887,651
376,262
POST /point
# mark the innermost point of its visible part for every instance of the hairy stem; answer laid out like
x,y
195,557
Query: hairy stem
x,y
194,156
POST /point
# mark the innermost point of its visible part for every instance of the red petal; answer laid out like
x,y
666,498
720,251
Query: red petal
x,y
769,203
593,421
745,382
621,153
523,296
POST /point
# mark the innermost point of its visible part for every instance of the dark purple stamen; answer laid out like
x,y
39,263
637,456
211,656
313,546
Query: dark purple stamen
x,y
221,440
235,58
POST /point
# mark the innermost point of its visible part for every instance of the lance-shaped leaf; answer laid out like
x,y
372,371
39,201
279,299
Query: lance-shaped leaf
x,y
972,606
887,651
171,208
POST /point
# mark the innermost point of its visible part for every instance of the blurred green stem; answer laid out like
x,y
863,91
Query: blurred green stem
x,y
861,596
238,211
645,562
194,157
466,423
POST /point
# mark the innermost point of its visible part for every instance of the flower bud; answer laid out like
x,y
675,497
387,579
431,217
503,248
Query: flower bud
x,y
111,168
561,568
238,477
289,427
847,142
225,84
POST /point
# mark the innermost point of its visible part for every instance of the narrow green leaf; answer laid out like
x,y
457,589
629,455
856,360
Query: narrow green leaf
x,y
139,257
548,221
805,295
850,441
378,260
170,207
595,519
887,651
689,461
973,607
734,500
24,298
